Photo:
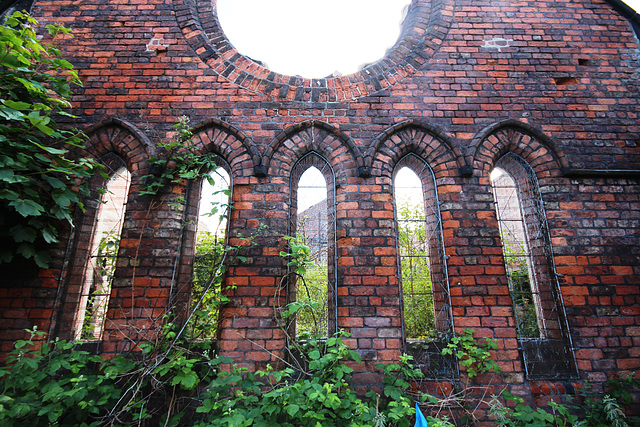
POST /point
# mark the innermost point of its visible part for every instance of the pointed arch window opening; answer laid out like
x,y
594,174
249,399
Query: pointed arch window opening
x,y
541,320
101,266
424,284
515,245
312,222
210,247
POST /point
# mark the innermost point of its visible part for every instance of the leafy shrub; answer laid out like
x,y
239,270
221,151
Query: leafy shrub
x,y
321,396
55,384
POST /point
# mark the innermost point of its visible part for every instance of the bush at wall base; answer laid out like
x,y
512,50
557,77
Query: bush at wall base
x,y
170,384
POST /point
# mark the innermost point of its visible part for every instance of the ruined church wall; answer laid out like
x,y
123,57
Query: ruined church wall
x,y
555,82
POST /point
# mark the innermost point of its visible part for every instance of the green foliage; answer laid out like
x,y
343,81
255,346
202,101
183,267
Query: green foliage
x,y
309,312
299,255
419,314
524,415
105,267
59,384
312,294
609,409
319,397
56,384
206,291
181,160
595,411
523,301
39,183
396,403
474,355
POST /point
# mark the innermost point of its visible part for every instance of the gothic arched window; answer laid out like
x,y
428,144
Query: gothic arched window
x,y
209,259
543,331
312,224
426,307
103,252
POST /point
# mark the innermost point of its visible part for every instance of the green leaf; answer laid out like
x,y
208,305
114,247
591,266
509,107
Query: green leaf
x,y
27,207
52,150
292,409
50,236
54,182
23,234
11,114
26,250
17,105
189,381
8,194
7,175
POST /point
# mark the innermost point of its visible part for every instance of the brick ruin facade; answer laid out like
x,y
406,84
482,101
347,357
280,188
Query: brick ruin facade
x,y
554,82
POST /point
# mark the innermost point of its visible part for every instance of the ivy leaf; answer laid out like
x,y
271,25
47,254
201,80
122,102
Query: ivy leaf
x,y
26,250
51,150
27,207
23,234
5,255
17,105
49,236
63,199
54,182
7,175
8,194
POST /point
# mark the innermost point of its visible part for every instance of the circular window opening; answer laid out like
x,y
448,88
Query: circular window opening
x,y
312,38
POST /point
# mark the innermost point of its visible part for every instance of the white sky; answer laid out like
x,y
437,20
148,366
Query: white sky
x,y
407,187
314,37
635,4
213,197
312,189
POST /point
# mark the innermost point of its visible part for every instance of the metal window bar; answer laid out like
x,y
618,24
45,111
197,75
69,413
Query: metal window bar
x,y
427,316
548,351
94,300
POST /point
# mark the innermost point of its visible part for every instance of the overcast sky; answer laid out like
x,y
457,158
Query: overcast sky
x,y
312,38
315,38
634,4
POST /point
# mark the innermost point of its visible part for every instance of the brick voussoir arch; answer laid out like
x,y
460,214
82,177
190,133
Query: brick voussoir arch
x,y
423,32
120,137
413,136
230,143
312,135
512,135
115,143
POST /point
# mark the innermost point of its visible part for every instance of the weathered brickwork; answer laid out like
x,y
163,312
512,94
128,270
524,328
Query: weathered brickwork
x,y
554,82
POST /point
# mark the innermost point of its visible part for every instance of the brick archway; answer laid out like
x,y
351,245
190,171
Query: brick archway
x,y
424,29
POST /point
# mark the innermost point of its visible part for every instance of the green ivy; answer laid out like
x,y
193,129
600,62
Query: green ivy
x,y
474,355
180,160
39,182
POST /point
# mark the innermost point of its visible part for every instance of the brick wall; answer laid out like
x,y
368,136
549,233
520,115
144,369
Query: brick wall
x,y
555,82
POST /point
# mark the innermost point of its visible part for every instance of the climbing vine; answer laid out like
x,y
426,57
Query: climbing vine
x,y
40,183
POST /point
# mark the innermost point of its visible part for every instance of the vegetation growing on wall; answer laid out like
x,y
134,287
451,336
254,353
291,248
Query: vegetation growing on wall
x,y
413,244
175,383
39,181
